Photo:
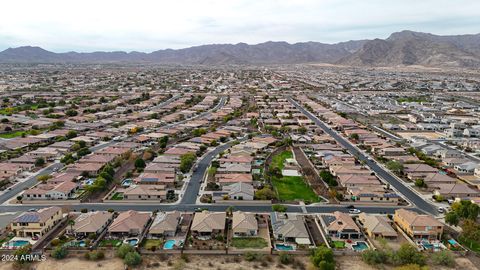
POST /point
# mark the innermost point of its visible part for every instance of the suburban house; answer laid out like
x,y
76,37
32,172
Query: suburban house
x,y
244,224
456,190
377,226
128,223
37,223
165,224
290,228
143,192
341,225
61,191
239,191
418,226
206,225
90,223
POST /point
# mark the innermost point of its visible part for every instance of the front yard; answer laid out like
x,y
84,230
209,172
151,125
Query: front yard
x,y
249,242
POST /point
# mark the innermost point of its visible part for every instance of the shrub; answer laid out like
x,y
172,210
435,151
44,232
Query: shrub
x,y
55,242
374,257
59,253
251,256
123,250
285,258
279,208
132,258
95,255
444,258
408,254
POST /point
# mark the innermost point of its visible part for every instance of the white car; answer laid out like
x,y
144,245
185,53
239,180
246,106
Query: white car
x,y
354,211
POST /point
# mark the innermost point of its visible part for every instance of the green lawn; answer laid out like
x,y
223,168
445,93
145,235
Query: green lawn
x,y
338,244
110,243
247,242
149,243
278,160
470,244
291,188
117,196
18,133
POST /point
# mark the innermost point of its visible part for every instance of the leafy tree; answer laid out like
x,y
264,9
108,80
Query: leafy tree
x,y
186,162
354,136
452,218
265,194
285,258
71,134
140,163
71,113
123,250
39,162
322,258
395,166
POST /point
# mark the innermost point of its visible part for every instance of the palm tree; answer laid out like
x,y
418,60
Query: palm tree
x,y
71,222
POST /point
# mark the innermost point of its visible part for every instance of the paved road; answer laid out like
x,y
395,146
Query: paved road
x,y
32,180
380,172
212,207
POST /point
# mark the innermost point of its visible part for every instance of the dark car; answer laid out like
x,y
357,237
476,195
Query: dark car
x,y
350,206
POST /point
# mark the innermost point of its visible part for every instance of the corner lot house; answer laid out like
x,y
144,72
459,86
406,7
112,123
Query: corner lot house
x,y
206,225
129,223
38,223
90,223
244,224
418,226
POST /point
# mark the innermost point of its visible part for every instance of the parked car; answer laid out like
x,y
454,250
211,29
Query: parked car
x,y
441,210
354,211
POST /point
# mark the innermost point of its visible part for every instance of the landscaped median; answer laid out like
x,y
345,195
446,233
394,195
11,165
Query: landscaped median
x,y
289,188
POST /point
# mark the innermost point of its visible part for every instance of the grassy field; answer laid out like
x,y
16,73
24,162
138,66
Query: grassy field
x,y
290,188
247,242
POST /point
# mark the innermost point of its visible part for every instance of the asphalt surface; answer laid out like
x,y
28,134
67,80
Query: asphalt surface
x,y
379,171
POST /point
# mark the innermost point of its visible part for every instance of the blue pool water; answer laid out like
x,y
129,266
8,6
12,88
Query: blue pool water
x,y
169,244
360,246
283,247
427,245
89,182
18,243
127,182
452,242
132,242
81,243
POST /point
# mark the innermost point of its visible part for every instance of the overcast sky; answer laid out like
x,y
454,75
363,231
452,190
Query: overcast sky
x,y
89,25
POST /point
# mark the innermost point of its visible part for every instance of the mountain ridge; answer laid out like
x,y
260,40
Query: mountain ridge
x,y
399,49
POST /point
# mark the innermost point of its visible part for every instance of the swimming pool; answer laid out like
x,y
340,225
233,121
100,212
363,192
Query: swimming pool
x,y
131,241
169,244
427,245
17,243
360,246
284,247
127,182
